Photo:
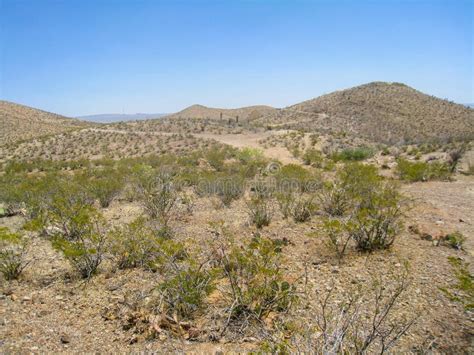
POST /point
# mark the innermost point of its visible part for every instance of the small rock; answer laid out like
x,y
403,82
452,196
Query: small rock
x,y
26,299
13,297
65,339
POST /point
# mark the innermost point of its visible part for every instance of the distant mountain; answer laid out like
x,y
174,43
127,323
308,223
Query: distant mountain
x,y
244,113
470,105
118,117
19,122
389,113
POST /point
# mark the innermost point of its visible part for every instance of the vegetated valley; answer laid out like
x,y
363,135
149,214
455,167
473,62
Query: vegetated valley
x,y
342,224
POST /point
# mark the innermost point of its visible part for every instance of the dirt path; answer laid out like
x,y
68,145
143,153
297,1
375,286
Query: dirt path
x,y
251,140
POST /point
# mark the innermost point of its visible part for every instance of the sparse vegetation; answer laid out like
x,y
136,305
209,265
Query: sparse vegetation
x,y
421,171
13,249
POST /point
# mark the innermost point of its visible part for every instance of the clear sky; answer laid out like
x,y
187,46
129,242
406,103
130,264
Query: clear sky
x,y
78,57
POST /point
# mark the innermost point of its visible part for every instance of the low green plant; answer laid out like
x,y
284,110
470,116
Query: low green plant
x,y
313,157
422,171
134,245
376,223
157,192
105,185
86,250
13,248
303,208
353,154
334,199
337,237
455,240
463,290
256,282
183,292
260,210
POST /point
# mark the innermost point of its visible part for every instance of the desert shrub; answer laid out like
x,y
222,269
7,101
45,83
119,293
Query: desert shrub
x,y
13,248
156,190
256,282
303,207
229,190
359,180
134,245
28,194
285,202
260,210
293,177
455,240
337,237
313,157
353,154
86,250
228,187
463,290
422,171
65,209
334,199
366,321
184,291
105,185
376,223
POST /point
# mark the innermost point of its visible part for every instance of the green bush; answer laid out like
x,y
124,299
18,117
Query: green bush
x,y
157,192
256,283
184,291
292,177
353,154
86,250
463,290
105,185
455,240
422,171
260,211
134,245
313,157
376,223
13,248
334,199
302,208
337,237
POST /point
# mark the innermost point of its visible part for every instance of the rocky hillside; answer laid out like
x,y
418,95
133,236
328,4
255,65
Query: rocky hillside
x,y
387,112
18,122
244,113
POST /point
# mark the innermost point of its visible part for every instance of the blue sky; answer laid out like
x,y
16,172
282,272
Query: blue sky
x,y
101,56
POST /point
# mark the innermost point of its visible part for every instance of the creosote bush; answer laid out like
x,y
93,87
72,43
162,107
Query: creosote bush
x,y
421,171
376,223
85,251
13,249
260,210
157,192
257,284
185,288
105,185
337,237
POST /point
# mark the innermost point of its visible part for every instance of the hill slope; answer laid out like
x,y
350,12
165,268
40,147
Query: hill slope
x,y
18,122
244,113
389,112
119,117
